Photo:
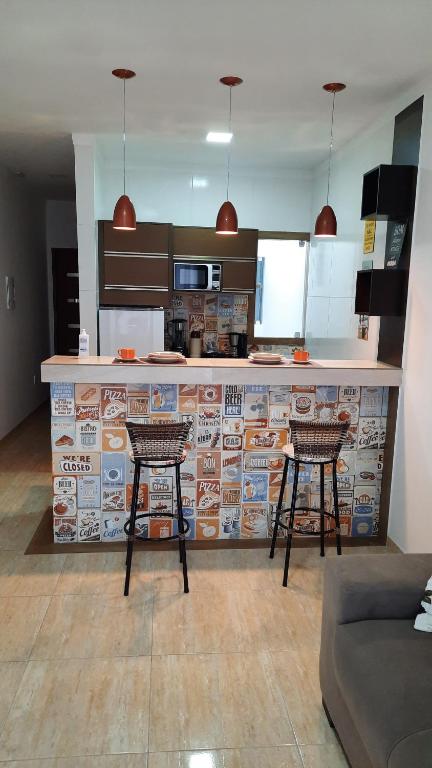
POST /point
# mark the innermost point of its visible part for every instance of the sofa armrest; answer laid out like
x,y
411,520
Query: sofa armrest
x,y
362,587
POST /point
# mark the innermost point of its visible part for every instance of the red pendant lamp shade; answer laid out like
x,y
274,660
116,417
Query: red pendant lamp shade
x,y
124,214
226,222
326,224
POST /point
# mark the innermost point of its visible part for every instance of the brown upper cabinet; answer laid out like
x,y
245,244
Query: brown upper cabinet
x,y
134,267
237,254
204,242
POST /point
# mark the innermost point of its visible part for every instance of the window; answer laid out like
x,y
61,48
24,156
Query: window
x,y
281,289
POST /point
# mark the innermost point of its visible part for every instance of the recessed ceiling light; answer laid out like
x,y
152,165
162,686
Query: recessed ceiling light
x,y
198,182
219,137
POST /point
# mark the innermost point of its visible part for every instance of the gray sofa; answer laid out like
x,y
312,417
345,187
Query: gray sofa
x,y
375,669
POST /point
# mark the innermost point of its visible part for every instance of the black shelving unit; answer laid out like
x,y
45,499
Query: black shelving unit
x,y
380,292
388,192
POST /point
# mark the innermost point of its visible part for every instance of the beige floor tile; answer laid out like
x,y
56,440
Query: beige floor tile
x,y
220,621
224,569
251,702
268,757
193,759
297,673
17,529
80,626
101,574
98,761
29,575
233,569
11,673
75,707
323,756
226,700
20,621
185,703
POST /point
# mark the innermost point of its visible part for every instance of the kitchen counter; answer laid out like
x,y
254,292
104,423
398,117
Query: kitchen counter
x,y
239,415
102,370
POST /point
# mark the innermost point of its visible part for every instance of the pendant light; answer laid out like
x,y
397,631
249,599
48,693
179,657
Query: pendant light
x,y
226,222
326,224
124,212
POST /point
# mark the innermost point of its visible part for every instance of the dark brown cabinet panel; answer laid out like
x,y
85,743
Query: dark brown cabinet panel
x,y
239,276
146,238
204,242
135,267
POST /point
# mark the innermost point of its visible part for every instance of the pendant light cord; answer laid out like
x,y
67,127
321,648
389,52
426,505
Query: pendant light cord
x,y
124,136
229,144
331,146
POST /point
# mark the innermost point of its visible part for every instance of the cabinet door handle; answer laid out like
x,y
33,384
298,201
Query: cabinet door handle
x,y
238,290
135,288
136,255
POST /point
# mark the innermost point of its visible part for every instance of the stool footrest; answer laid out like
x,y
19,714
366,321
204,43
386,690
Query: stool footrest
x,y
165,515
327,532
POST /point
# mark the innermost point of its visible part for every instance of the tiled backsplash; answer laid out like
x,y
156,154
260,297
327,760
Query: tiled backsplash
x,y
214,315
232,474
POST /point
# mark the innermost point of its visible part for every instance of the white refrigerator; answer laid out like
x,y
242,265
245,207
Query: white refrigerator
x,y
142,329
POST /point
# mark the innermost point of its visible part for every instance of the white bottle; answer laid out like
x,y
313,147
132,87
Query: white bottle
x,y
83,344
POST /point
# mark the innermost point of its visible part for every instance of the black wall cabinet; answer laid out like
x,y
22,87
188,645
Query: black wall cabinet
x,y
380,292
389,192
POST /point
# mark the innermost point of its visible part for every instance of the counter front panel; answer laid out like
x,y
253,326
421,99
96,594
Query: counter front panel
x,y
232,475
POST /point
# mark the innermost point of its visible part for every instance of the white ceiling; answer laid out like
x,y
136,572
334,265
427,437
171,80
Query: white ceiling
x,y
56,57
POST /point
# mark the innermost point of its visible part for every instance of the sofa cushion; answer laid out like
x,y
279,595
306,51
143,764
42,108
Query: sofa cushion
x,y
384,670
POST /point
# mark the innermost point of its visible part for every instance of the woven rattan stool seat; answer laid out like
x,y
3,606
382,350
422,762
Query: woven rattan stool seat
x,y
317,441
158,442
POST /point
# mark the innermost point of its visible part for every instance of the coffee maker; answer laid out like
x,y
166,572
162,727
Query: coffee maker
x,y
238,344
179,336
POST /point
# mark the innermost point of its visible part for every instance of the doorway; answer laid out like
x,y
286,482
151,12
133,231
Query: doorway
x,y
66,300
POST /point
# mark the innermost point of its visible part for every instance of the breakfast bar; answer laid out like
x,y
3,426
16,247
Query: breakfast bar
x,y
239,415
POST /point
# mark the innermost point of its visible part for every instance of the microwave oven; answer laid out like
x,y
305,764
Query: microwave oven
x,y
195,276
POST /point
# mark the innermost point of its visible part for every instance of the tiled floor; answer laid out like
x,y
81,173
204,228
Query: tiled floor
x,y
225,677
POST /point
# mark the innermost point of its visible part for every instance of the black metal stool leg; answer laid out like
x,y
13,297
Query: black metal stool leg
x,y
279,507
181,528
130,544
336,511
322,507
291,523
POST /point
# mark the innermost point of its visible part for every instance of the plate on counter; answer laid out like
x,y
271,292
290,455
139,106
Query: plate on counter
x,y
266,358
301,362
164,357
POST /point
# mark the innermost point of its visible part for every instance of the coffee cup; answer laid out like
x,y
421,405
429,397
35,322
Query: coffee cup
x,y
301,355
126,353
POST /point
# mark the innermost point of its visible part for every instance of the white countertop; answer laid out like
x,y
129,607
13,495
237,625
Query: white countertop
x,y
102,370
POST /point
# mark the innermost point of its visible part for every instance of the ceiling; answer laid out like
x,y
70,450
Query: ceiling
x,y
56,57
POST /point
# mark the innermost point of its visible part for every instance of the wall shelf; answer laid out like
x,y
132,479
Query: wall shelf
x,y
388,192
380,292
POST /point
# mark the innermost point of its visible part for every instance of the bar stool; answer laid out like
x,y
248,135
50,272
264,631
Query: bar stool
x,y
157,445
317,444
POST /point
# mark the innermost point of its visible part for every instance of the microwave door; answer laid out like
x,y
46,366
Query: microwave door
x,y
191,277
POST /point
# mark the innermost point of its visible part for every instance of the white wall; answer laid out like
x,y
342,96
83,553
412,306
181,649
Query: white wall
x,y
24,338
411,507
87,195
61,232
263,200
331,325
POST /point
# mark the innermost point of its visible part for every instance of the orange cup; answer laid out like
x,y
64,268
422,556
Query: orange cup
x,y
126,353
301,355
